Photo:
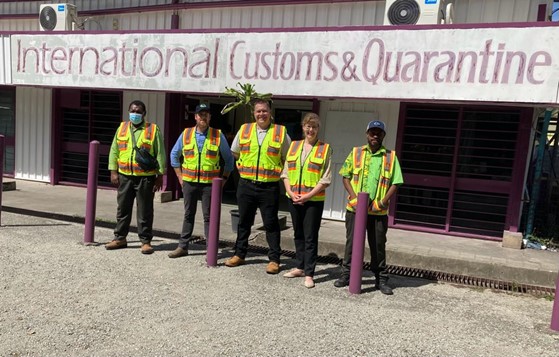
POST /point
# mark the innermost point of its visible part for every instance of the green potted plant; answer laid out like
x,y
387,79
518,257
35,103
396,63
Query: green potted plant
x,y
244,97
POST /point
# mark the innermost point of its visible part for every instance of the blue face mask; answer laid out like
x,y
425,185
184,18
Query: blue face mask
x,y
135,118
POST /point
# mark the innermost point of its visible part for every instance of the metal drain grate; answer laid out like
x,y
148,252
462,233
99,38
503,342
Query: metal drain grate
x,y
493,284
499,285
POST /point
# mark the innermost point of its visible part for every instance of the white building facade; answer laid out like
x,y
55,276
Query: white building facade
x,y
459,99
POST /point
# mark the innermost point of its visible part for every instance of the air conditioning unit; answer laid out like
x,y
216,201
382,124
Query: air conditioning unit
x,y
57,17
418,12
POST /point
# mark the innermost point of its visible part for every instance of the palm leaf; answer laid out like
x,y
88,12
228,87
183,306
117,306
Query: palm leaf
x,y
244,96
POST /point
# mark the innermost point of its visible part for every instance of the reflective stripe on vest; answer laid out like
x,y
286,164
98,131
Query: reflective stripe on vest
x,y
292,154
127,164
260,162
304,178
200,166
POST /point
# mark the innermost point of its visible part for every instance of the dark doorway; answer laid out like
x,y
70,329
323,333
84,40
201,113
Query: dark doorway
x,y
7,127
86,116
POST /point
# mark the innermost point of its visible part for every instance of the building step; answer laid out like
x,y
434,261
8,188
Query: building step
x,y
8,185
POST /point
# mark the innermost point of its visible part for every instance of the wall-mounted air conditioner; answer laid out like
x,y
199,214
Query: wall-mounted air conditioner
x,y
57,17
418,12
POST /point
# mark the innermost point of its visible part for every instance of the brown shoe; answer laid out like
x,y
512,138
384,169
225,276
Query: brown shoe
x,y
179,252
234,261
146,248
272,268
116,244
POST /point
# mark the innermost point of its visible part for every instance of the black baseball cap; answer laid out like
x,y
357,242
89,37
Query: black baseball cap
x,y
202,108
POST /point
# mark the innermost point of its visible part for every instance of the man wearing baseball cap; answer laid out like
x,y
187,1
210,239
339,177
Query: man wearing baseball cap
x,y
373,169
200,148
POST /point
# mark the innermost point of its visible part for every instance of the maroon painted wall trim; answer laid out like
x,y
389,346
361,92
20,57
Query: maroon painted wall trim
x,y
398,148
56,137
189,6
312,97
306,29
542,11
11,140
453,172
315,106
521,157
167,140
440,232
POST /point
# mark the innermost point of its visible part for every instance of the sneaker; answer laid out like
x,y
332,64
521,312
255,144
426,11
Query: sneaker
x,y
342,281
116,244
272,268
146,248
179,252
234,261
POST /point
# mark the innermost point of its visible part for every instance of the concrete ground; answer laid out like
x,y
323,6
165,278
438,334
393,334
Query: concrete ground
x,y
61,298
448,254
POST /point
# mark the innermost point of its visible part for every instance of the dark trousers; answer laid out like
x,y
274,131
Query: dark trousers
x,y
139,188
377,226
306,224
192,192
252,196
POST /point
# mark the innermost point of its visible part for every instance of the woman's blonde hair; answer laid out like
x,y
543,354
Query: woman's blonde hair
x,y
310,117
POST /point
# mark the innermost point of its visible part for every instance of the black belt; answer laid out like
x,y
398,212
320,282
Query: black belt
x,y
260,183
193,183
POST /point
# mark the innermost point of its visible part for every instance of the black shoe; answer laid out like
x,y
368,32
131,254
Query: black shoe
x,y
384,288
342,281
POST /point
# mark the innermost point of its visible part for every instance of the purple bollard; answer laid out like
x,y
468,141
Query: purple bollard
x,y
2,147
215,219
356,269
555,312
91,201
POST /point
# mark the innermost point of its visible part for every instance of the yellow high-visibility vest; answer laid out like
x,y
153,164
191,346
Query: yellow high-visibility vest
x,y
387,170
303,178
127,164
260,162
201,166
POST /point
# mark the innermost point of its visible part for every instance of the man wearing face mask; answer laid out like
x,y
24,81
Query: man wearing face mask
x,y
373,169
133,181
201,148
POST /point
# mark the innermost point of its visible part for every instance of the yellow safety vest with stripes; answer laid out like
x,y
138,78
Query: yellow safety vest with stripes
x,y
260,162
387,170
127,164
201,166
304,177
